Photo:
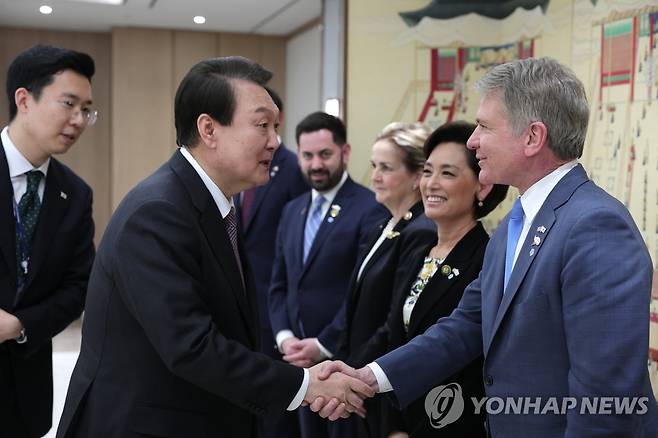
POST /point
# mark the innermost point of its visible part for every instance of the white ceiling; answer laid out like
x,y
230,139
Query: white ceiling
x,y
272,17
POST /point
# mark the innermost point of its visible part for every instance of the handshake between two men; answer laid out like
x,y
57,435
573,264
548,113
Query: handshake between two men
x,y
337,390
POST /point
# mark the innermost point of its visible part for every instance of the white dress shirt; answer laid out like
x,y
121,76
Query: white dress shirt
x,y
531,201
224,205
19,166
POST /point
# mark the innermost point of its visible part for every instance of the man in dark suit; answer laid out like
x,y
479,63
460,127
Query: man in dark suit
x,y
560,308
47,231
318,242
170,323
258,213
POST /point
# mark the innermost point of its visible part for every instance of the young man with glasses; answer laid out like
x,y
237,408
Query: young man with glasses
x,y
46,228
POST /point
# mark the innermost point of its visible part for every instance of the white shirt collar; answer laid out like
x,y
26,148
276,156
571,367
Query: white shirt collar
x,y
223,204
330,194
533,198
16,161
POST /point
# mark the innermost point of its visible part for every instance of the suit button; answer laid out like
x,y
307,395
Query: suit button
x,y
488,380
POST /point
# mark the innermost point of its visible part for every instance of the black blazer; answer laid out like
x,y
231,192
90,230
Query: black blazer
x,y
369,298
439,298
169,329
54,292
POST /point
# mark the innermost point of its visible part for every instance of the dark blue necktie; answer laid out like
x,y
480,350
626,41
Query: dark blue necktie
x,y
514,227
28,216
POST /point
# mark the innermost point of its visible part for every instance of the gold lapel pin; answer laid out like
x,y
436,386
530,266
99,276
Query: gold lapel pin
x,y
446,270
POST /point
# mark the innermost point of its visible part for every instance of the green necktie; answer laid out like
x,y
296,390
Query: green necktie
x,y
28,212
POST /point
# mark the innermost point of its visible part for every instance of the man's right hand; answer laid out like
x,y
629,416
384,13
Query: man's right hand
x,y
336,395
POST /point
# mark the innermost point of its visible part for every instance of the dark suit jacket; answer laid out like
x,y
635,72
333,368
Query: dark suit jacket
x,y
286,183
305,298
573,321
54,292
169,329
369,298
439,298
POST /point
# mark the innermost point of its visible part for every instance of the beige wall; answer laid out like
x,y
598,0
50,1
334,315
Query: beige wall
x,y
137,73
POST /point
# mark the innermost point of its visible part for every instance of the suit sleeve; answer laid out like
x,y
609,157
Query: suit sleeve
x,y
157,268
43,320
606,282
277,293
445,348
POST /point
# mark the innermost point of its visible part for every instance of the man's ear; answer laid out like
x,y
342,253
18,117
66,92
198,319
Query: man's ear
x,y
206,128
21,98
537,138
346,149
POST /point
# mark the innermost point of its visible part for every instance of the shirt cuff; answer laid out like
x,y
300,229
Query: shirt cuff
x,y
299,398
382,380
282,336
326,354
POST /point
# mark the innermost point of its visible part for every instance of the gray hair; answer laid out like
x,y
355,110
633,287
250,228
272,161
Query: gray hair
x,y
542,90
409,138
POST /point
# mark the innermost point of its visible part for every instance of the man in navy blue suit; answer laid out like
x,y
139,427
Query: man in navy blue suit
x,y
46,228
318,241
560,310
258,211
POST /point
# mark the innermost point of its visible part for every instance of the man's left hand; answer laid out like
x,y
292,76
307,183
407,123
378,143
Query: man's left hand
x,y
10,326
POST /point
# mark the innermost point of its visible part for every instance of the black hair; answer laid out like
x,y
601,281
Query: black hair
x,y
208,89
275,98
320,120
35,68
459,132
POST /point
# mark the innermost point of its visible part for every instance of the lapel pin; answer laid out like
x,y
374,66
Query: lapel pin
x,y
334,211
392,234
63,195
454,273
330,219
541,229
446,270
532,252
407,216
274,170
536,241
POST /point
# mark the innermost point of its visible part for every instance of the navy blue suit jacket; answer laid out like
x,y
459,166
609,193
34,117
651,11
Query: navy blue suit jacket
x,y
286,183
55,288
573,321
305,297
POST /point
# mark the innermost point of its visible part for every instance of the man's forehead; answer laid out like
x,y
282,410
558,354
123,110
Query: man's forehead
x,y
317,140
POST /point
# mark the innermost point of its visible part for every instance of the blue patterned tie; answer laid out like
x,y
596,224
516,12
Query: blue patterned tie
x,y
514,227
312,224
28,213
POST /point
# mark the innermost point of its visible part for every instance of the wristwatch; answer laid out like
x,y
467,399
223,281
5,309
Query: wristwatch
x,y
22,338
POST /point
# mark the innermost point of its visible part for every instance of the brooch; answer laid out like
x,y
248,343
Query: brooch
x,y
392,234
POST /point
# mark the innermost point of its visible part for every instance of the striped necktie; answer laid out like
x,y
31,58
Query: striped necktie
x,y
313,224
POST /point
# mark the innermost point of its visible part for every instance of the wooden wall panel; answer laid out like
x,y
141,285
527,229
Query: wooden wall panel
x,y
190,48
142,110
90,156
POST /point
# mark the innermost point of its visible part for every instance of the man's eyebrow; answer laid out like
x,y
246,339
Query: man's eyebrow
x,y
75,97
